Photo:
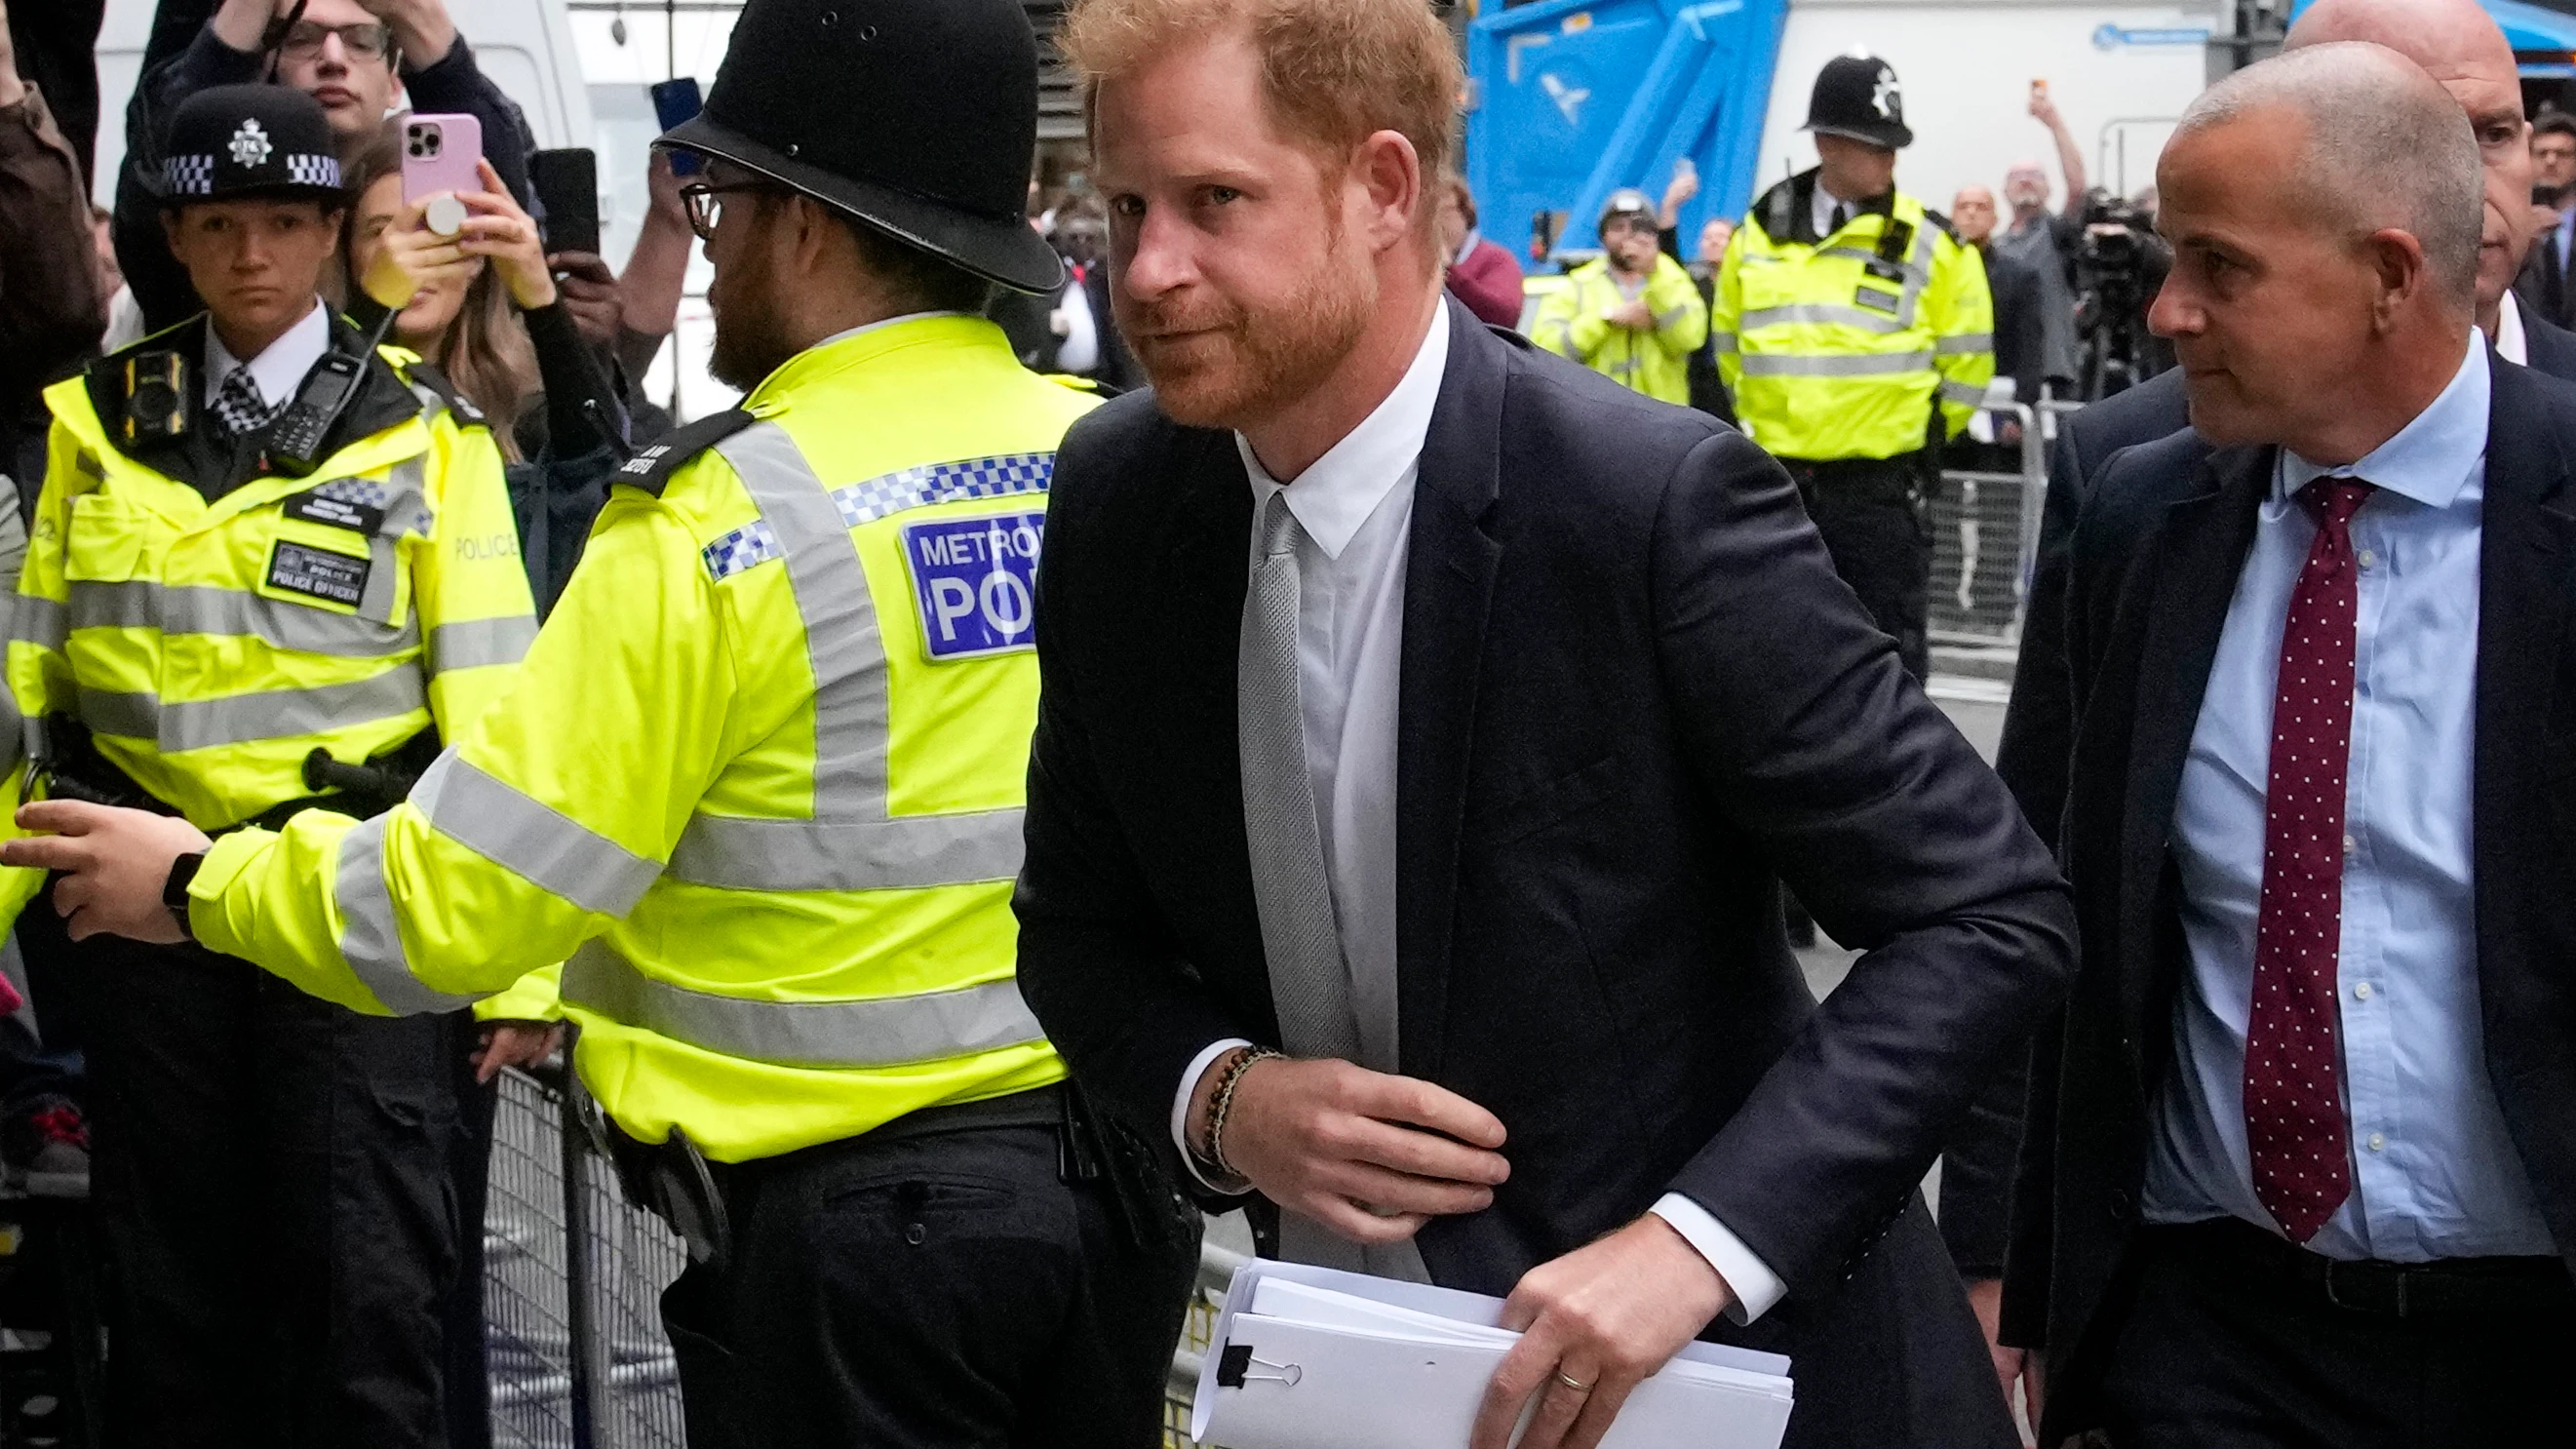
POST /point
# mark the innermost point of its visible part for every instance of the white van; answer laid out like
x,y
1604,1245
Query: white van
x,y
525,46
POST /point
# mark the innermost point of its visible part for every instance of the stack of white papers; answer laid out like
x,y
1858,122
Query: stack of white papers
x,y
1314,1358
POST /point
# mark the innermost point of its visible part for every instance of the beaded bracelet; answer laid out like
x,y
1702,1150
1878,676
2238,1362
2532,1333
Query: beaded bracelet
x,y
1223,1102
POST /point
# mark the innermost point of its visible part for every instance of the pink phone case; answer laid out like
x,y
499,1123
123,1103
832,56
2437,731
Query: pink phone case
x,y
439,153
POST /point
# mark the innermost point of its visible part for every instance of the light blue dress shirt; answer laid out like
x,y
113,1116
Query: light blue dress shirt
x,y
2434,1175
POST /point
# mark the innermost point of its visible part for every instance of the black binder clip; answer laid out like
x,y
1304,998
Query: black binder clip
x,y
1235,1365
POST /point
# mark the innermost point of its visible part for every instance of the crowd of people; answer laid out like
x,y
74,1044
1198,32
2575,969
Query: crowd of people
x,y
1161,699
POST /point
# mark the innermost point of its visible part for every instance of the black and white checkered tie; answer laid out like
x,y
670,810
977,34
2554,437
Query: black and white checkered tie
x,y
238,404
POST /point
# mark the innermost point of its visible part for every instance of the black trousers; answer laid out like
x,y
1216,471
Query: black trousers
x,y
2215,1352
931,1291
271,1177
1875,515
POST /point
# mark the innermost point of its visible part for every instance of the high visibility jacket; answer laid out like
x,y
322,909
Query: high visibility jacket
x,y
1575,322
1849,346
210,647
761,780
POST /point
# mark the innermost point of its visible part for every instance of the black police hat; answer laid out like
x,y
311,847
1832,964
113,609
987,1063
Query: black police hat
x,y
918,117
1856,96
233,142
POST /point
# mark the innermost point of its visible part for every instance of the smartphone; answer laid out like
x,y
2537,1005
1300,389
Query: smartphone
x,y
439,154
567,186
675,101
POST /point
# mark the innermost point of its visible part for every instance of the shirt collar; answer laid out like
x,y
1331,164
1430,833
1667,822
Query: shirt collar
x,y
1466,245
1338,492
2512,343
2430,459
280,367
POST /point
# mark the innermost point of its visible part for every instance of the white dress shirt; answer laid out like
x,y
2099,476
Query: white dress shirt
x,y
2511,343
1354,509
280,367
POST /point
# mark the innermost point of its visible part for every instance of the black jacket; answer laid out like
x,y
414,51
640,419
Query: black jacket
x,y
1634,697
2153,567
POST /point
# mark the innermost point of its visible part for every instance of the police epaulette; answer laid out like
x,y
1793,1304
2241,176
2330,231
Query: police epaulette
x,y
651,469
423,374
1948,229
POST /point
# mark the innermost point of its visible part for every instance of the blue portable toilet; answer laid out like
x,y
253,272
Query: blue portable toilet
x,y
1570,100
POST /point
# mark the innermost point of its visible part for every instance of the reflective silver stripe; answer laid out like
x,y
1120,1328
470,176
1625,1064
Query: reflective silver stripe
x,y
850,843
531,839
1965,342
1672,315
37,620
874,1033
474,643
1823,314
1622,367
853,855
1723,341
1854,364
276,714
370,939
1963,392
198,609
13,729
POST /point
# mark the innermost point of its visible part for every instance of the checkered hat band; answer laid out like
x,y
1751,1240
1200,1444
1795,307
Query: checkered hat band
x,y
189,175
306,169
1000,476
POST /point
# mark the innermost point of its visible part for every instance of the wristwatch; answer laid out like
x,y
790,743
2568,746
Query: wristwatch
x,y
174,890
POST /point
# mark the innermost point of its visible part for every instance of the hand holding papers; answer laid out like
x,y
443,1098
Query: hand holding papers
x,y
1309,1357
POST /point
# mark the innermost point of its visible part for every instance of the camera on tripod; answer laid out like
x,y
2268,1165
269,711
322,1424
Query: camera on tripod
x,y
2118,268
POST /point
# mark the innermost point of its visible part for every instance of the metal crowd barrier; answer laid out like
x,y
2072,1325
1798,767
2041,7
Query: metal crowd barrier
x,y
572,1282
1985,537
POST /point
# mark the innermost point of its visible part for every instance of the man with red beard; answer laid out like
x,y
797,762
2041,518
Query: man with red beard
x,y
1428,725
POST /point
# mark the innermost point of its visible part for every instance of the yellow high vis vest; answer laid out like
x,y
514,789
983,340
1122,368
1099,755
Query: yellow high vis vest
x,y
761,780
1575,323
1845,346
210,647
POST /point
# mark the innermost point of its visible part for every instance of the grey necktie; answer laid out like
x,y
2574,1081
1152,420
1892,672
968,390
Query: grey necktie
x,y
239,406
1310,986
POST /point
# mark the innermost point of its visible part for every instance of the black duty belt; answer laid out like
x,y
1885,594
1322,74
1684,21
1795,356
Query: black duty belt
x,y
2444,1286
691,1194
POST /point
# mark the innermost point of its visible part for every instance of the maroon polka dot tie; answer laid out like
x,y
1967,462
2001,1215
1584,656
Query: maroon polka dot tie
x,y
2294,1117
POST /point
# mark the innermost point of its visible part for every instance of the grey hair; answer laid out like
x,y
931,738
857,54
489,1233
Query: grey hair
x,y
2387,147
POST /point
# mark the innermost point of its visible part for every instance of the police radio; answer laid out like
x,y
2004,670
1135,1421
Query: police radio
x,y
295,443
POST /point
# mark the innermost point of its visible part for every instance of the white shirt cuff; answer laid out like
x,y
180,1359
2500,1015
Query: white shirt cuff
x,y
1753,1283
1181,1110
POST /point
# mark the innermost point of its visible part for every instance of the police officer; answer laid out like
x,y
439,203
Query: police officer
x,y
762,783
1632,313
270,567
1856,336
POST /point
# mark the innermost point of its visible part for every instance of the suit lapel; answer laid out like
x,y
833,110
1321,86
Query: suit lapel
x,y
2528,542
1449,583
2191,577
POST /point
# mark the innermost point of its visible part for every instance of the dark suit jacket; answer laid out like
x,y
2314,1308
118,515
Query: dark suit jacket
x,y
2154,566
1633,696
2542,286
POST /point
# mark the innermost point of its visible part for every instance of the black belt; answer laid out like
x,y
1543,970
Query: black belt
x,y
2369,1285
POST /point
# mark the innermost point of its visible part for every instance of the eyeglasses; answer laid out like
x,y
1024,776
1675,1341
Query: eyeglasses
x,y
706,203
367,41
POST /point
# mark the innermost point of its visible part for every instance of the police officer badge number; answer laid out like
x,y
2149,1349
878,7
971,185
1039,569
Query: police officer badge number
x,y
250,145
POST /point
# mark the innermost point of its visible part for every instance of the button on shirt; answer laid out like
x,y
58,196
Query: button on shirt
x,y
1354,509
280,367
2434,1175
